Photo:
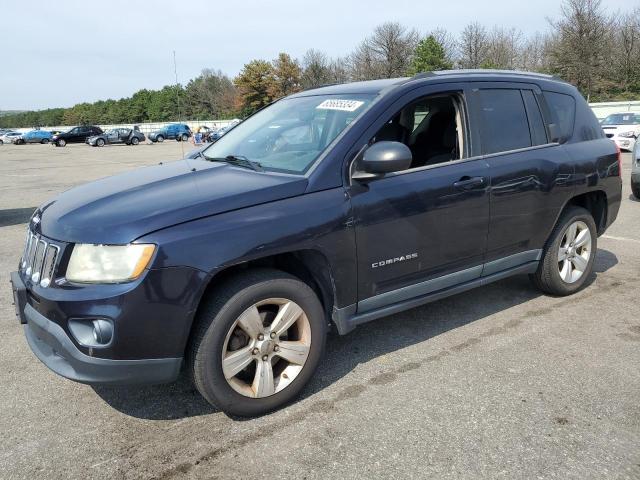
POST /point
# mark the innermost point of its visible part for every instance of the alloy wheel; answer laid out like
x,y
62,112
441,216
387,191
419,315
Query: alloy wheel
x,y
266,348
574,252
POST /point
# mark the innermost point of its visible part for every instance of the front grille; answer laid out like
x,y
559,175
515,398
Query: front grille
x,y
39,259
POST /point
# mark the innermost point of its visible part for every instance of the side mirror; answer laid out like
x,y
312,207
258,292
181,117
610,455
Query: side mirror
x,y
381,158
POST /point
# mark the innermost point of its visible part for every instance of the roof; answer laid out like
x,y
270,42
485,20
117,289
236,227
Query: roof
x,y
377,86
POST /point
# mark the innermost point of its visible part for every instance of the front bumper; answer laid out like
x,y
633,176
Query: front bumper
x,y
53,347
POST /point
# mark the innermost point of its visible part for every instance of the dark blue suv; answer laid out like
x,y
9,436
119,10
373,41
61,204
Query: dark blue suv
x,y
176,131
337,206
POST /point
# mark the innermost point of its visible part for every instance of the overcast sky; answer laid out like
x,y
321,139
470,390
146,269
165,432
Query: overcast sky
x,y
56,54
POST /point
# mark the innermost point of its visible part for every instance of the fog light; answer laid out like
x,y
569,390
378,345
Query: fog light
x,y
102,331
90,332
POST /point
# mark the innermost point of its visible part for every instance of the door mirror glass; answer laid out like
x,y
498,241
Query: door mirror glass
x,y
383,157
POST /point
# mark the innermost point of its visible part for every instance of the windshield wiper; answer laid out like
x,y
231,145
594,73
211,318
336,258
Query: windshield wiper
x,y
238,160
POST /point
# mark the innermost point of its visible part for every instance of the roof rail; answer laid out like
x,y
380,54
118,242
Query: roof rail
x,y
485,71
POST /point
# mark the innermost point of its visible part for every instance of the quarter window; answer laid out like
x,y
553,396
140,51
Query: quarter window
x,y
503,123
564,108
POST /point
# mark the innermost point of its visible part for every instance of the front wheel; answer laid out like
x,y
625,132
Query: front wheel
x,y
159,139
61,143
100,142
184,137
257,342
635,188
567,259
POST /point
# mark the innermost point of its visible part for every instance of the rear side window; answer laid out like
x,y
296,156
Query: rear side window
x,y
536,124
503,122
564,109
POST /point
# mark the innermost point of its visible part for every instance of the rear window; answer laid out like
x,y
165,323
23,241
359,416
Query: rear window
x,y
564,109
504,124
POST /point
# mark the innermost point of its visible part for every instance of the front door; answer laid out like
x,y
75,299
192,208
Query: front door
x,y
423,229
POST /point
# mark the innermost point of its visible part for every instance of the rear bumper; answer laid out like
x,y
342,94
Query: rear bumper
x,y
50,343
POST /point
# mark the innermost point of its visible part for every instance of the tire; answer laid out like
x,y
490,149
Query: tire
x,y
135,141
61,143
184,137
100,142
159,139
567,276
45,141
246,393
1,142
635,188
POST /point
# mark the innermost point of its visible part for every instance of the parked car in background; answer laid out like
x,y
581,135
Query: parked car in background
x,y
128,136
76,135
635,171
622,128
177,131
8,136
34,136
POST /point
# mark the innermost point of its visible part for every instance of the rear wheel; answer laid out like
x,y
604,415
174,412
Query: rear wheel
x,y
184,137
44,141
257,342
568,257
135,141
635,188
1,142
100,142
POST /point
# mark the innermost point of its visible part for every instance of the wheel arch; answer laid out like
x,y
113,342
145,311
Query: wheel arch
x,y
310,266
595,202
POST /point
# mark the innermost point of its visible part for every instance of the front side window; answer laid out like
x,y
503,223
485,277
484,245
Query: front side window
x,y
503,121
291,134
432,128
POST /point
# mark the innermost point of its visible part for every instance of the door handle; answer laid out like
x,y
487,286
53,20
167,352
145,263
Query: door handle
x,y
469,183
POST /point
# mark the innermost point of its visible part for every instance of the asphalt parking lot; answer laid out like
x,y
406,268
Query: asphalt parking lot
x,y
499,382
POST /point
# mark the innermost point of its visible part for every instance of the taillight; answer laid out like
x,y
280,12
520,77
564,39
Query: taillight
x,y
619,154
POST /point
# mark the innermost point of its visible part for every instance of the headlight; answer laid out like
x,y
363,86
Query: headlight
x,y
627,134
108,263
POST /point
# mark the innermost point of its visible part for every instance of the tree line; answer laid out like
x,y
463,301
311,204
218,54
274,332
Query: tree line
x,y
597,51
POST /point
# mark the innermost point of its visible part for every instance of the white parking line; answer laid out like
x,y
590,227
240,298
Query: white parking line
x,y
622,239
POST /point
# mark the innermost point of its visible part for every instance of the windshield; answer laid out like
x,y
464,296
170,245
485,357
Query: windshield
x,y
290,135
622,119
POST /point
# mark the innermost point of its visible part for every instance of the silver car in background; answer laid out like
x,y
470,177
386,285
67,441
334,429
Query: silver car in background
x,y
7,137
635,171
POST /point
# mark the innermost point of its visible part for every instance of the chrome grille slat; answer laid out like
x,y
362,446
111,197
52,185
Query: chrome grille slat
x,y
48,265
33,243
39,259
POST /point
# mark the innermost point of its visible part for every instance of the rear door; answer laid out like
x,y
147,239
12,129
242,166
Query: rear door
x,y
530,174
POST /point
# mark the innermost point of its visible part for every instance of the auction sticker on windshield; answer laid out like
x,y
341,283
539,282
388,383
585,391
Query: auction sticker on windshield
x,y
340,104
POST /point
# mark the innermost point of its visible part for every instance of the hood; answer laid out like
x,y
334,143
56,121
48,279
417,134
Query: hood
x,y
119,209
